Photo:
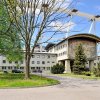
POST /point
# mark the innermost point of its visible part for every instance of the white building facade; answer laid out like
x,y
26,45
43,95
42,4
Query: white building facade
x,y
63,52
39,60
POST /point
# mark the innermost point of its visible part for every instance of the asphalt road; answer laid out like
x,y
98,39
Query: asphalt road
x,y
69,89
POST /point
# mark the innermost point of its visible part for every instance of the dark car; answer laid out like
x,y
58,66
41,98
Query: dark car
x,y
37,71
17,71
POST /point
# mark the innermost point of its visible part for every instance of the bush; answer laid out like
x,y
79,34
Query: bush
x,y
57,69
86,73
78,69
96,70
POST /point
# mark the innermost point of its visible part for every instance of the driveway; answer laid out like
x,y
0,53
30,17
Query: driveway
x,y
69,89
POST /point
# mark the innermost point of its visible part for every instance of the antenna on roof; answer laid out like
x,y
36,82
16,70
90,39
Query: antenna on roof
x,y
68,28
92,25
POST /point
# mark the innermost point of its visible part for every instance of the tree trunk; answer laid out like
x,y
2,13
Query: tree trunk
x,y
27,69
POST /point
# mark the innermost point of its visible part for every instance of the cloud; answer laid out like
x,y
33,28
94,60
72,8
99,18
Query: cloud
x,y
64,27
81,3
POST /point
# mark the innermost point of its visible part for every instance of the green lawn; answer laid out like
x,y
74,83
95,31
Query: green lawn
x,y
79,76
17,80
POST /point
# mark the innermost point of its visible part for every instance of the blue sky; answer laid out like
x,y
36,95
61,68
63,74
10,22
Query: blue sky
x,y
82,25
90,7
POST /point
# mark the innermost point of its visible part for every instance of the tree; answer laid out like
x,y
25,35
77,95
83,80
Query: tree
x,y
96,70
37,18
80,60
58,69
10,45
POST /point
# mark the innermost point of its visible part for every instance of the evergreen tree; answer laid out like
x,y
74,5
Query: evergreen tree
x,y
80,60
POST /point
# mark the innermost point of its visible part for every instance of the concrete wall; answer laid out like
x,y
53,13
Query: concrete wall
x,y
88,45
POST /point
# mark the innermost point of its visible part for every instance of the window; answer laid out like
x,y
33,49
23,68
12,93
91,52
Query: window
x,y
32,67
9,67
33,62
21,62
3,67
38,56
38,62
33,56
15,67
4,61
48,68
63,45
21,67
10,62
37,67
57,48
95,64
53,62
43,68
43,56
48,56
16,62
48,61
43,62
53,55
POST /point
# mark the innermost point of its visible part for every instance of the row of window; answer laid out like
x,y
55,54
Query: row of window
x,y
10,67
43,62
42,56
10,62
33,62
62,53
22,68
40,68
61,46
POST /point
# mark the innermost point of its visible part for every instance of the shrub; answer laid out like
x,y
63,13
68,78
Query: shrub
x,y
96,70
86,73
57,69
78,69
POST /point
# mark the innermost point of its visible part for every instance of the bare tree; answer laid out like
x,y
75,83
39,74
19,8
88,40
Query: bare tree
x,y
37,18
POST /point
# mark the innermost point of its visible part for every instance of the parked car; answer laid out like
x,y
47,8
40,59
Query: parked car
x,y
17,71
5,72
37,71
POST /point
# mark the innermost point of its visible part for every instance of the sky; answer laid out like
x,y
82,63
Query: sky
x,y
90,7
81,24
78,24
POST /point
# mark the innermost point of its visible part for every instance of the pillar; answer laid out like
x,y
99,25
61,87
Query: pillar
x,y
67,66
91,64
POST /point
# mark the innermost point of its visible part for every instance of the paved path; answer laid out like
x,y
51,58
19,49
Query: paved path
x,y
69,89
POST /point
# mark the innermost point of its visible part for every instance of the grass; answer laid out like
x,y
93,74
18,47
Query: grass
x,y
79,76
17,80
